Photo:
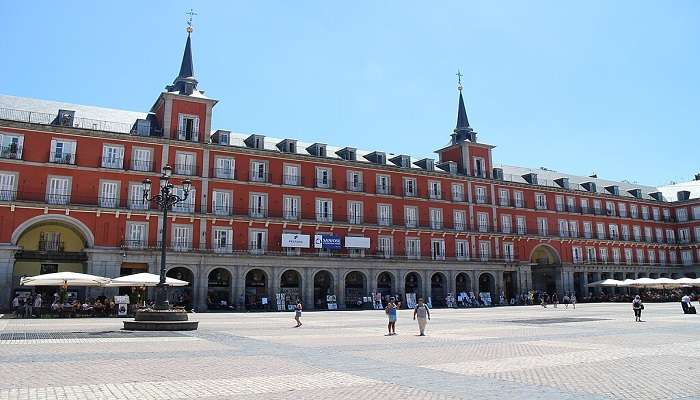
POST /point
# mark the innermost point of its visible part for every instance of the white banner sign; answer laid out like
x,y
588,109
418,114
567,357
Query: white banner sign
x,y
295,240
357,242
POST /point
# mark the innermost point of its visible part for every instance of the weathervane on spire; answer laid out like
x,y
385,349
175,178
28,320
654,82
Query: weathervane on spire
x,y
190,14
459,80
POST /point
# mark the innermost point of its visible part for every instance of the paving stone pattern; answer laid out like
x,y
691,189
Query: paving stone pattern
x,y
594,352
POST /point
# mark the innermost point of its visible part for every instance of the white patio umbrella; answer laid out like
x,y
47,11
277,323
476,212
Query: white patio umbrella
x,y
606,283
688,282
627,283
666,283
144,279
643,282
64,279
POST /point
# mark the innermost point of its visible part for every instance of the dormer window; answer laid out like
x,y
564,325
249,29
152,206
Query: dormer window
x,y
426,164
188,127
479,170
317,149
613,189
65,118
255,142
402,161
347,153
287,146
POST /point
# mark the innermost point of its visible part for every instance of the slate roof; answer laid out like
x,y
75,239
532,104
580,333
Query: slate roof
x,y
671,191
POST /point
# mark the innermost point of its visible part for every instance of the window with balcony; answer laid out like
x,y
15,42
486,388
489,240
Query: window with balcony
x,y
667,214
142,159
563,228
384,214
622,210
291,175
480,195
136,200
411,216
479,167
438,249
672,257
571,204
625,232
684,235
616,255
609,208
58,190
520,225
648,236
434,190
696,213
457,192
257,207
258,241
651,256
181,238
186,206
576,255
662,257
659,235
258,171
136,235
519,199
587,230
324,210
573,229
600,230
508,252
540,201
656,214
385,246
697,234
188,127
628,257
484,250
109,194
292,208
584,206
597,207
603,255
542,226
50,241
462,250
112,156
614,234
412,248
634,211
637,233
222,241
482,221
8,186
645,212
11,146
383,184
460,220
409,187
184,163
224,168
559,202
221,202
355,181
506,224
354,212
640,256
682,214
436,218
323,178
62,151
503,198
590,255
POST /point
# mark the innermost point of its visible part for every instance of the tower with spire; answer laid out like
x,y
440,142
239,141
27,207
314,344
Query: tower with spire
x,y
463,152
182,109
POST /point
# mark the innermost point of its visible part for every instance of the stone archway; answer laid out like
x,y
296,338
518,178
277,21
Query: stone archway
x,y
546,268
290,287
438,289
256,289
355,289
219,289
386,284
66,220
412,284
463,283
487,284
323,287
181,296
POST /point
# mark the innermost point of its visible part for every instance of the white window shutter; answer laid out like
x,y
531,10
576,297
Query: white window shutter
x,y
195,136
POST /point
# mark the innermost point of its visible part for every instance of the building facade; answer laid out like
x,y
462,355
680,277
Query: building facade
x,y
268,216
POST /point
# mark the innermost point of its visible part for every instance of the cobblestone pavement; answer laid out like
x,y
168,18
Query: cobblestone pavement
x,y
594,352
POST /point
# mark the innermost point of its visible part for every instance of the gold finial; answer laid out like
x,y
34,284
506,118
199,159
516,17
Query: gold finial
x,y
459,81
190,14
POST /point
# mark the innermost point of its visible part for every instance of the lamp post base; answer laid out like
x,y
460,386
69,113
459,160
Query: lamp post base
x,y
161,320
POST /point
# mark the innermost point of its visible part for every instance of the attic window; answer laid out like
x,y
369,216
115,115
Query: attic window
x,y
347,153
589,186
224,138
292,147
402,161
530,178
613,189
317,149
562,182
255,142
498,174
65,118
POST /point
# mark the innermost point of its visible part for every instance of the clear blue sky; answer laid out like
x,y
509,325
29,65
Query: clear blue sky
x,y
605,86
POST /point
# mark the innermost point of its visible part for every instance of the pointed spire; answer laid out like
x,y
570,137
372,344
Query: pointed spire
x,y
186,68
462,131
185,83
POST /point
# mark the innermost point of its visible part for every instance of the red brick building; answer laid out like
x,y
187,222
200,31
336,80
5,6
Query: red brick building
x,y
71,199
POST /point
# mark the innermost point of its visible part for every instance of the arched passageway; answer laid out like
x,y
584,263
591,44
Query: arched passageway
x,y
290,287
256,290
219,289
546,268
323,288
355,289
438,289
181,296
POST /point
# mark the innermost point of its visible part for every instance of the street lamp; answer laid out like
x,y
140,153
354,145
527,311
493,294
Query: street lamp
x,y
165,200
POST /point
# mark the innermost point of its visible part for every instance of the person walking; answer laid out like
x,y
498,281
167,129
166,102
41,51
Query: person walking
x,y
423,314
297,313
37,304
555,299
390,311
566,300
573,300
28,303
637,306
15,306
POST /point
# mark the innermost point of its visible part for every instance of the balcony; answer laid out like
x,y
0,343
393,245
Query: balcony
x,y
142,165
11,152
380,189
355,186
324,217
139,204
137,244
112,162
324,183
108,202
225,173
355,219
458,197
291,180
187,134
432,195
51,246
257,248
291,215
222,248
8,195
257,212
257,176
222,209
58,198
62,158
185,169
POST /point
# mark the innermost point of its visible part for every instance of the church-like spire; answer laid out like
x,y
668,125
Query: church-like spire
x,y
462,131
185,83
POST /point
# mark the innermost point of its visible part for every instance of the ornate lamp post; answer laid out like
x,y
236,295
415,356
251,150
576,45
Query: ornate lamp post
x,y
165,200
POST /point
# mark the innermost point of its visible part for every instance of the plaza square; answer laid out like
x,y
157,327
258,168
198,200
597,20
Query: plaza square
x,y
595,351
